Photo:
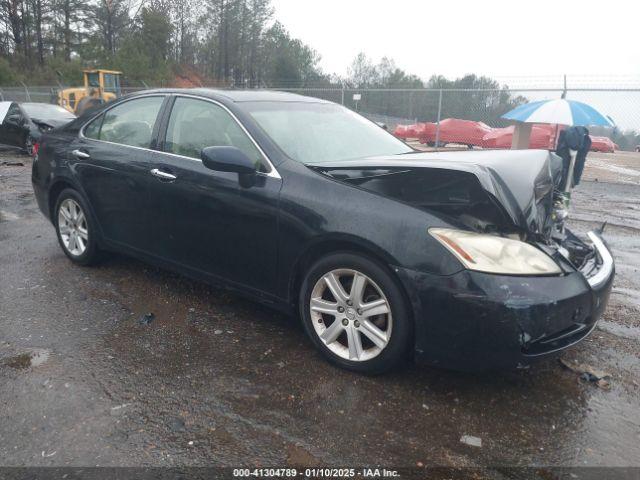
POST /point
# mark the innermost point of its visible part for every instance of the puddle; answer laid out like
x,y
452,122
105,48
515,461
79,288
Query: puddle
x,y
615,168
629,294
7,216
29,359
632,333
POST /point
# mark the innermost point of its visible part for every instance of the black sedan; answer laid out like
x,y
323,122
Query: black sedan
x,y
24,123
460,259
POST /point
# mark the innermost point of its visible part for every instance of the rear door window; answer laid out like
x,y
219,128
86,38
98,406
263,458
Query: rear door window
x,y
130,123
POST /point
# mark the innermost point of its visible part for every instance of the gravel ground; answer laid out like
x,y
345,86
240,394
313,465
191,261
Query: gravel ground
x,y
217,380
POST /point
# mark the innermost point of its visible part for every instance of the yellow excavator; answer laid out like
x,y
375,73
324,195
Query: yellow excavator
x,y
100,86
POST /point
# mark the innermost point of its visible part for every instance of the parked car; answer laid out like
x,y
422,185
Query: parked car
x,y
462,132
452,130
458,258
542,136
426,133
407,131
602,144
24,123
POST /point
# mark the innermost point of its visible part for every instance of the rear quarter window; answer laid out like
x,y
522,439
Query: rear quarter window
x,y
92,130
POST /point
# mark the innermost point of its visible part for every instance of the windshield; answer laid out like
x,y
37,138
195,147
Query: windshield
x,y
323,132
93,79
44,111
111,83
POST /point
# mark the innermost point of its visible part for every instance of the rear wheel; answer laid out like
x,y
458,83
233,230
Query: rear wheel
x,y
75,228
355,313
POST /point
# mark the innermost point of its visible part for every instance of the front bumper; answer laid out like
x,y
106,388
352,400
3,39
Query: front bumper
x,y
477,321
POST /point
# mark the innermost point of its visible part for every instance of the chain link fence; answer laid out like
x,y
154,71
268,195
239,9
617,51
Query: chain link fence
x,y
451,117
472,117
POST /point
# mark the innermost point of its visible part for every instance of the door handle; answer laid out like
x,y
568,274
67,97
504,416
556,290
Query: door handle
x,y
80,154
156,172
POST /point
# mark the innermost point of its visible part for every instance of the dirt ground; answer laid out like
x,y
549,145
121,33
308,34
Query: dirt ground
x,y
217,380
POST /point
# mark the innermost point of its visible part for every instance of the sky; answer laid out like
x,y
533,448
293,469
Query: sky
x,y
529,42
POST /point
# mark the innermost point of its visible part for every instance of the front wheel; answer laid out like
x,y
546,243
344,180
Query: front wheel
x,y
355,313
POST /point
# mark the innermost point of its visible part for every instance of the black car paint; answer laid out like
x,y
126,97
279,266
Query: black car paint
x,y
259,240
473,321
16,133
500,187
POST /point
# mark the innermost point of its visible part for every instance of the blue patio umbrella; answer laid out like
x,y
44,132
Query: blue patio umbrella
x,y
559,111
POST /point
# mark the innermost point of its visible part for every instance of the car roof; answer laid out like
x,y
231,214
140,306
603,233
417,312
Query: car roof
x,y
240,96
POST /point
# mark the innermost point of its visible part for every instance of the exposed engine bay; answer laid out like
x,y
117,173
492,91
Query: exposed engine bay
x,y
515,194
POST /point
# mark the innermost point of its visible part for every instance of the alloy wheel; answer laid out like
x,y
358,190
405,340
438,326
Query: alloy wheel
x,y
73,228
351,314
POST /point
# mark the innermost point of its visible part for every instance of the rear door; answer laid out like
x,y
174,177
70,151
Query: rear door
x,y
112,158
206,220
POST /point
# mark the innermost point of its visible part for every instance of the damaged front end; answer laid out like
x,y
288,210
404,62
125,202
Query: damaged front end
x,y
511,194
483,318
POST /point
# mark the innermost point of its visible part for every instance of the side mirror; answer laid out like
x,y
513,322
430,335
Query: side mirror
x,y
227,159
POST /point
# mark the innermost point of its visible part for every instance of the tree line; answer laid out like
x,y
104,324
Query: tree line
x,y
235,43
225,43
228,42
397,93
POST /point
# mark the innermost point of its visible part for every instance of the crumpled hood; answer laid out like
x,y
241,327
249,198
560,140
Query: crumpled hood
x,y
520,181
49,122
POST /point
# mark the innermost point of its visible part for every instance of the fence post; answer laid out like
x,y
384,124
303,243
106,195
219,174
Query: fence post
x,y
27,95
438,120
342,97
411,104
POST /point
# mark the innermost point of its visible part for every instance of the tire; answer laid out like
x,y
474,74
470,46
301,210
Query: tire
x,y
75,228
334,327
28,145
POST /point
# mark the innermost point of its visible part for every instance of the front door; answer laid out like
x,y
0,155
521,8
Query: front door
x,y
206,220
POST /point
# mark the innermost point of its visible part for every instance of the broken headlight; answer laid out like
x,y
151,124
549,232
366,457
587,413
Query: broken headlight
x,y
493,254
